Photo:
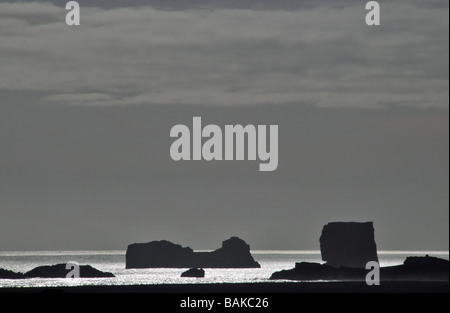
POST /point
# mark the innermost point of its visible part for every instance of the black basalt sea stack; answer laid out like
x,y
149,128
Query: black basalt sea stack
x,y
348,244
234,253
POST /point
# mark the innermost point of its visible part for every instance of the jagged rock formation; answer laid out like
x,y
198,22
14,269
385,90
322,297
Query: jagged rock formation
x,y
194,272
348,244
234,253
60,271
413,269
7,274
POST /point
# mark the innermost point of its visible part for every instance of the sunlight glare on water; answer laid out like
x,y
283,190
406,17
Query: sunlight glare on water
x,y
114,261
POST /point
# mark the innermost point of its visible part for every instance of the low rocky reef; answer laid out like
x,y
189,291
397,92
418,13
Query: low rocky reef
x,y
194,272
234,253
7,274
413,269
55,271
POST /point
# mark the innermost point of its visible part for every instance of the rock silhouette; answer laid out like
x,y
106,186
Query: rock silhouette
x,y
7,274
54,271
419,268
234,253
413,269
194,272
348,244
60,271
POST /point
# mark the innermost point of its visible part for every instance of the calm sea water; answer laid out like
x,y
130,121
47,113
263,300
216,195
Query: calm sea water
x,y
114,261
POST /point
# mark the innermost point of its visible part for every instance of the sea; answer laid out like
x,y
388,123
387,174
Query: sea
x,y
114,262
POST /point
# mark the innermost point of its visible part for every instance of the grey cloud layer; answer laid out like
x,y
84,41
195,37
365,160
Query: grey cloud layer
x,y
323,55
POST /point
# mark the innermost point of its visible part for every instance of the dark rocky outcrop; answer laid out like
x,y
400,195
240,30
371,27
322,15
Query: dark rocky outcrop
x,y
413,269
60,271
316,271
194,272
54,271
234,253
158,254
7,274
348,244
418,268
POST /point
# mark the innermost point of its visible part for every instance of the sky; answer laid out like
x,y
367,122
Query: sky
x,y
86,113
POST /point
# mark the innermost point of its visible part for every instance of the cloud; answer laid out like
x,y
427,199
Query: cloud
x,y
319,55
30,12
79,99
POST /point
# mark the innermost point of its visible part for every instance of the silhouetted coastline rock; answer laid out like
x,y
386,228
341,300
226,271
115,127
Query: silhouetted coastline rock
x,y
348,244
194,272
413,269
234,253
316,271
7,274
60,271
418,268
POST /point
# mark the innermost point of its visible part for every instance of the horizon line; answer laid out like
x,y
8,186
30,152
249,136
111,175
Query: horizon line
x,y
256,251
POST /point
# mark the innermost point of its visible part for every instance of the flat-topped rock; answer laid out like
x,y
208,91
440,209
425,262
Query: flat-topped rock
x,y
158,254
348,244
234,253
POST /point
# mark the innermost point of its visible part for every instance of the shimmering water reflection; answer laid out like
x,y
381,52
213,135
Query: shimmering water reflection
x,y
114,261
